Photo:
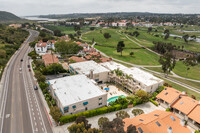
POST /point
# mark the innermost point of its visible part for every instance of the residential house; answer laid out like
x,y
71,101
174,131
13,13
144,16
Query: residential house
x,y
157,122
77,59
42,47
183,106
91,69
49,59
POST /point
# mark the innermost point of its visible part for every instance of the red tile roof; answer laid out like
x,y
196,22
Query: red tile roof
x,y
77,59
147,122
49,59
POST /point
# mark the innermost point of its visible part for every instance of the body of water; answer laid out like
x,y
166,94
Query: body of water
x,y
40,19
112,99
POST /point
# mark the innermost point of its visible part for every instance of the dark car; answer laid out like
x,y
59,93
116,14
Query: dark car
x,y
35,87
21,60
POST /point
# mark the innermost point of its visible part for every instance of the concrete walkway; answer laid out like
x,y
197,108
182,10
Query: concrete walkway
x,y
147,108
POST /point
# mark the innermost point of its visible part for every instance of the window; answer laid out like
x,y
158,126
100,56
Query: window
x,y
74,107
158,124
100,98
172,118
166,93
140,130
66,109
100,104
86,108
54,94
85,103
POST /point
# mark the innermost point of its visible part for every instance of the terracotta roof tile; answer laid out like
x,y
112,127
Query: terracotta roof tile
x,y
49,59
185,104
195,114
77,59
149,123
169,94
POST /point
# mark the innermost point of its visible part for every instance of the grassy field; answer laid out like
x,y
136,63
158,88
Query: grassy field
x,y
141,56
146,39
193,73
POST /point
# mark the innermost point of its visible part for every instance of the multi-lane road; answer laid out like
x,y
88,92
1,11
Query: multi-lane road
x,y
21,109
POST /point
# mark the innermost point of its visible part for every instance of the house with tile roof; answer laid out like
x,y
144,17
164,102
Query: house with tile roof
x,y
157,122
42,47
77,59
183,106
49,59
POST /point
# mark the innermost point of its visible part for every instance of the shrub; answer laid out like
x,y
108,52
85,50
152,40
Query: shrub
x,y
122,114
155,103
137,112
168,110
102,120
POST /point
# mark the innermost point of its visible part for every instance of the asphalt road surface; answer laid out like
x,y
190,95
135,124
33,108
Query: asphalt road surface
x,y
21,110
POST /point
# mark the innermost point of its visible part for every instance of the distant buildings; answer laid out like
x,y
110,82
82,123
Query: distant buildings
x,y
76,94
182,105
157,122
42,47
15,25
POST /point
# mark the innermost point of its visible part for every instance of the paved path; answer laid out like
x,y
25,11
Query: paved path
x,y
147,108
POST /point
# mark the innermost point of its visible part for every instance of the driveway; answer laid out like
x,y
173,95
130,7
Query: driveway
x,y
147,108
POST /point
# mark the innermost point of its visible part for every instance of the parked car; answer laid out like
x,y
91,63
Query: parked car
x,y
35,87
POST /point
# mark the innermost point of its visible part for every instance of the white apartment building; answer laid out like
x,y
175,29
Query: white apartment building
x,y
91,69
42,47
139,79
76,94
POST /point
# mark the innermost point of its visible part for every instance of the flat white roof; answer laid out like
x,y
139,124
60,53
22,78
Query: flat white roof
x,y
73,89
142,76
86,67
111,65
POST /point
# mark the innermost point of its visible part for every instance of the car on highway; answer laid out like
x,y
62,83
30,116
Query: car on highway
x,y
35,87
20,69
21,60
29,70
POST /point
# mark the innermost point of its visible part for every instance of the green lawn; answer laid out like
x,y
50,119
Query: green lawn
x,y
193,73
146,39
141,56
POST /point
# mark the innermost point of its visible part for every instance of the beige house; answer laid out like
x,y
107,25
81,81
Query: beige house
x,y
183,106
76,94
91,69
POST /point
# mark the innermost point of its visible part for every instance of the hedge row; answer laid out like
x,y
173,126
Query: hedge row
x,y
91,113
155,103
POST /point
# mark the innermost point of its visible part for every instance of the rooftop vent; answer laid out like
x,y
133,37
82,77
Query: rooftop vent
x,y
156,115
158,124
172,118
141,120
181,103
166,93
169,129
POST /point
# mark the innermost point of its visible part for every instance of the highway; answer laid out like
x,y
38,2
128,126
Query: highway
x,y
21,109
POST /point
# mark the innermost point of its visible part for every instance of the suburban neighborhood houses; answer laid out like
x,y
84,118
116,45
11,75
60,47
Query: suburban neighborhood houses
x,y
113,72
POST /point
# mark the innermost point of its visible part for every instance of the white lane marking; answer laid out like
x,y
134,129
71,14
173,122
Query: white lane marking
x,y
40,123
34,117
7,115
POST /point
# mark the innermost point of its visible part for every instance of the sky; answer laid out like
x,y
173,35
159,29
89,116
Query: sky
x,y
44,7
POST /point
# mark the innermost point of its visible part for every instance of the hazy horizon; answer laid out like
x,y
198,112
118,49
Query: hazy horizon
x,y
46,7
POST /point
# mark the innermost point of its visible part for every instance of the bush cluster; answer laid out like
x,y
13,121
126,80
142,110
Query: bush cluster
x,y
154,102
91,113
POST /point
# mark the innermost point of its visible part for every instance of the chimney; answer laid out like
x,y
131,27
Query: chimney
x,y
91,74
169,130
182,122
183,92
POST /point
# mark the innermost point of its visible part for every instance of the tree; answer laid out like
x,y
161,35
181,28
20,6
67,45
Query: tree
x,y
193,37
39,76
83,119
189,62
136,33
149,30
107,35
120,46
166,31
185,37
77,27
122,114
55,113
102,120
2,53
71,36
166,36
77,128
131,53
57,33
92,28
168,63
137,112
131,129
108,127
143,96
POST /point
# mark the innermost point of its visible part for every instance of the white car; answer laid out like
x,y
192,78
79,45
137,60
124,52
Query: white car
x,y
20,69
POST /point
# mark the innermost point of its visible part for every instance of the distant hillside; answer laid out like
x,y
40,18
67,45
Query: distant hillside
x,y
107,15
6,16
